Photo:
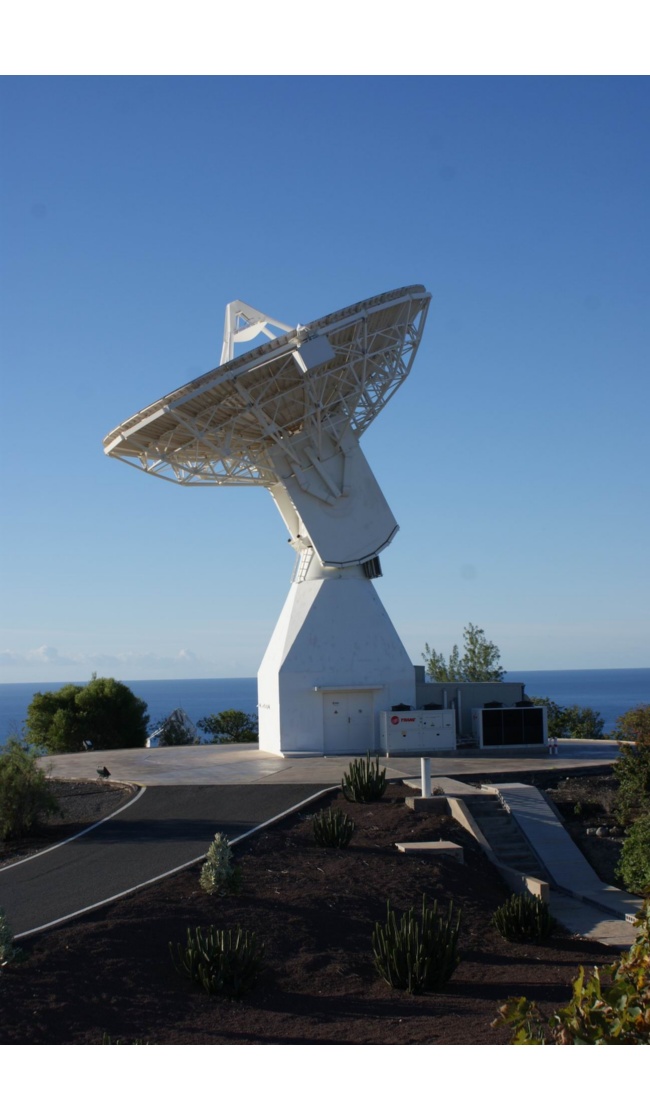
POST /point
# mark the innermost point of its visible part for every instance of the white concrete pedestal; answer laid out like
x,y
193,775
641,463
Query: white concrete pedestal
x,y
333,663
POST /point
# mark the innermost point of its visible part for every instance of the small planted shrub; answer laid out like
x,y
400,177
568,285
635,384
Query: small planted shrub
x,y
363,781
634,864
224,962
523,917
219,875
333,829
610,1007
417,954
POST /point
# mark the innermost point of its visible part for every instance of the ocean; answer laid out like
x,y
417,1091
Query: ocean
x,y
610,691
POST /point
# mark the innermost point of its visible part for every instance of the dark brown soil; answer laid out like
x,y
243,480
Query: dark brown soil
x,y
111,973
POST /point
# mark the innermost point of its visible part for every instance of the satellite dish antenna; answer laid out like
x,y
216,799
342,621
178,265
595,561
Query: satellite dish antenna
x,y
288,416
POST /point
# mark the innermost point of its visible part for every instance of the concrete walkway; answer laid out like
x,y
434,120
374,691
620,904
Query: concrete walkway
x,y
236,764
583,903
568,869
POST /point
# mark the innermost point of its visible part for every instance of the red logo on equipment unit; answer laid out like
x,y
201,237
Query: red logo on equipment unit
x,y
394,719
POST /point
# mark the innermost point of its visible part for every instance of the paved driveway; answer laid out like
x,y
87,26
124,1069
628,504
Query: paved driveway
x,y
159,831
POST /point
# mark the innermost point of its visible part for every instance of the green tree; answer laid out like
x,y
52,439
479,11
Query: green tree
x,y
583,723
554,715
480,660
230,726
25,799
632,768
104,712
570,723
175,730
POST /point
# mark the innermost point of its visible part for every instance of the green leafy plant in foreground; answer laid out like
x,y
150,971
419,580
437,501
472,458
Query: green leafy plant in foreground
x,y
223,962
610,1007
333,829
219,874
634,864
523,917
632,767
418,954
363,780
25,800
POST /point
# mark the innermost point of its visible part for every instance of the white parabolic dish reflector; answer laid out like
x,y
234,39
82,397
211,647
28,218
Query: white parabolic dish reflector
x,y
287,415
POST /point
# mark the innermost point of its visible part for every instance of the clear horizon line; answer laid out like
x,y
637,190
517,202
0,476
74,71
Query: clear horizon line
x,y
508,672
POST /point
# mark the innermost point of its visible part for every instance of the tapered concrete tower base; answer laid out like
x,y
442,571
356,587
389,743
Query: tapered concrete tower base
x,y
333,663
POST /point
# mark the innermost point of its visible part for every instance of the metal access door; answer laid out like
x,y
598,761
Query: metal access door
x,y
348,722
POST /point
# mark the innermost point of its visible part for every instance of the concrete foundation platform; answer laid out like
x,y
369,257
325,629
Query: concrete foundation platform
x,y
442,848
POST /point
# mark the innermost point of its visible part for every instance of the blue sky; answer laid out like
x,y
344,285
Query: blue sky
x,y
515,456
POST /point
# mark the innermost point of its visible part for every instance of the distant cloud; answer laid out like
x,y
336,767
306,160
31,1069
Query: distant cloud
x,y
123,663
43,655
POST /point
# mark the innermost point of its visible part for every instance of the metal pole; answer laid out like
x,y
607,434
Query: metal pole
x,y
425,776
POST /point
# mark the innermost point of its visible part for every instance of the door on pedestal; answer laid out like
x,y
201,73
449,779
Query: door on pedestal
x,y
348,722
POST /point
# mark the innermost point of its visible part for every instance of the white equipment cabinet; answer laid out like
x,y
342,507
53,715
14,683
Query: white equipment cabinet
x,y
417,732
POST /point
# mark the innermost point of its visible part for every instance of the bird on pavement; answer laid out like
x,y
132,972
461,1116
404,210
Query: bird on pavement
x,y
103,772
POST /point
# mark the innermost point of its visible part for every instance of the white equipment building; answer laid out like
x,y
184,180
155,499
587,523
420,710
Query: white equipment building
x,y
288,416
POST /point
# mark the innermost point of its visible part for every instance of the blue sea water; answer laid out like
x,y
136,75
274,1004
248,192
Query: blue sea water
x,y
610,691
198,698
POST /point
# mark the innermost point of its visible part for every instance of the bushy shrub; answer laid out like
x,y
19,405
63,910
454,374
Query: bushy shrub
x,y
363,781
523,917
223,962
634,864
632,767
333,829
25,799
611,1007
418,954
219,874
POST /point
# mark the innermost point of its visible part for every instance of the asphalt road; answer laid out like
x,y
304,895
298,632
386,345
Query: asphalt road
x,y
164,829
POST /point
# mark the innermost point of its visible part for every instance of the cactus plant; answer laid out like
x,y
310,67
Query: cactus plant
x,y
523,917
419,954
333,829
223,962
363,781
